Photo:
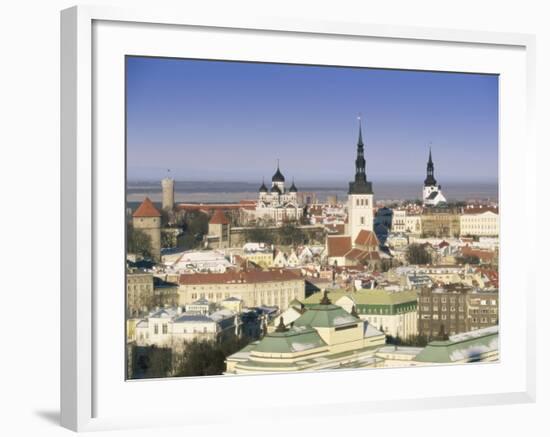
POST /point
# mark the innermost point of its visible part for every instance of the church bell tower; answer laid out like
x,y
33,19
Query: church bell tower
x,y
360,195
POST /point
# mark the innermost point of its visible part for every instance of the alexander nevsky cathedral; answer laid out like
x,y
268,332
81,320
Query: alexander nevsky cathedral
x,y
277,204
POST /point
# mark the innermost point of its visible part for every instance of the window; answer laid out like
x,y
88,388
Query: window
x,y
156,328
362,220
165,328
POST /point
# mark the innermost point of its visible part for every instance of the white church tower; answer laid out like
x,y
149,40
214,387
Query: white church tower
x,y
431,193
360,195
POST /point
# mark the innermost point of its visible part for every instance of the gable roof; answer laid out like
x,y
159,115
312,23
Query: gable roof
x,y
481,210
146,209
338,246
362,255
366,238
219,218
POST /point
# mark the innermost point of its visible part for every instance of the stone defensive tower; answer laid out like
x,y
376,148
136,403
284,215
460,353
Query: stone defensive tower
x,y
147,219
219,227
167,194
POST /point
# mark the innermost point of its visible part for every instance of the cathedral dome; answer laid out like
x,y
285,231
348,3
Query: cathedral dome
x,y
278,176
263,188
275,189
293,188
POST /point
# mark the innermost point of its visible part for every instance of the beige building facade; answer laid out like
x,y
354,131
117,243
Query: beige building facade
x,y
276,287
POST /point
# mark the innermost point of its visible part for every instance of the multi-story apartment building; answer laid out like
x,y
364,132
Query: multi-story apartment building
x,y
443,310
455,308
276,287
145,291
139,293
482,309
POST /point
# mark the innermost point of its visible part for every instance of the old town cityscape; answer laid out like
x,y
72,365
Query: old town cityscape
x,y
285,282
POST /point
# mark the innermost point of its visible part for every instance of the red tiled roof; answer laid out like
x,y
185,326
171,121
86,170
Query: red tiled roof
x,y
366,238
146,209
252,276
219,218
483,255
480,210
362,255
338,246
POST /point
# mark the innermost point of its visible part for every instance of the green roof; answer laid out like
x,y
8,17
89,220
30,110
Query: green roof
x,y
368,297
296,339
467,346
325,316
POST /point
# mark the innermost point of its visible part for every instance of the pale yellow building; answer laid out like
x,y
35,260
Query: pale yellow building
x,y
276,287
482,222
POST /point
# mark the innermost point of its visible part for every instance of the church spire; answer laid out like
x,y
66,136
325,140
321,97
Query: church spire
x,y
360,185
360,140
430,179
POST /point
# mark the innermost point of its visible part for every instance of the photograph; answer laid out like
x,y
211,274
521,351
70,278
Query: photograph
x,y
301,218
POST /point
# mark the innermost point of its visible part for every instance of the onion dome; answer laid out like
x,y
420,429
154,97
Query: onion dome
x,y
278,176
263,188
293,188
275,189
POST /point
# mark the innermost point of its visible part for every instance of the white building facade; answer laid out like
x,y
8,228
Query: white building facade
x,y
479,222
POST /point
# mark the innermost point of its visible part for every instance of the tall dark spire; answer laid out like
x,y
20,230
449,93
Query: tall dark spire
x,y
360,185
430,179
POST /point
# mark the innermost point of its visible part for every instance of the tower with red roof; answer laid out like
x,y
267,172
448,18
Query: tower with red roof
x,y
219,228
147,218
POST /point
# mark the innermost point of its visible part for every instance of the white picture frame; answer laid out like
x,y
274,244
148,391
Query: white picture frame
x,y
87,391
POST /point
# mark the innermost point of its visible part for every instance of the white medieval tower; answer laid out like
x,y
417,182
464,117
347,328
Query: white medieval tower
x,y
167,194
360,195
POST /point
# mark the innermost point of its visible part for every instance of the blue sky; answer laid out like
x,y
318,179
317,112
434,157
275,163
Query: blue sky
x,y
215,120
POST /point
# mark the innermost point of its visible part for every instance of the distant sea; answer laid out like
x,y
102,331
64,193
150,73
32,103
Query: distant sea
x,y
210,191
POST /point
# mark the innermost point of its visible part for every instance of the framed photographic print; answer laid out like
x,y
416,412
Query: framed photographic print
x,y
297,206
